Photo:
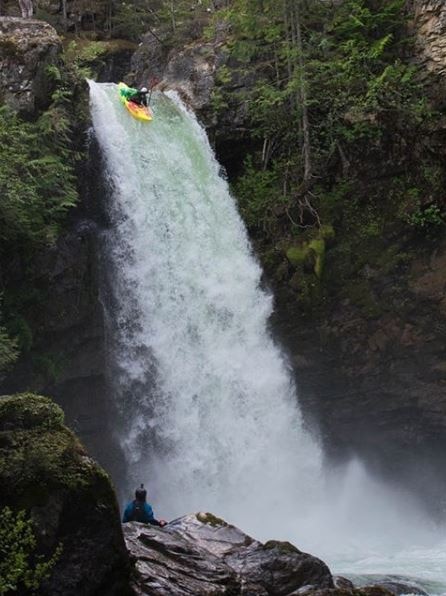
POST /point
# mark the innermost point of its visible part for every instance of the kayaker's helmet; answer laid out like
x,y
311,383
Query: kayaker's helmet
x,y
144,90
141,493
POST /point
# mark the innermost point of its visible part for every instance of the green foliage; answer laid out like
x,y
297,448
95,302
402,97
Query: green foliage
x,y
258,195
37,184
82,56
366,109
20,567
426,217
168,19
131,19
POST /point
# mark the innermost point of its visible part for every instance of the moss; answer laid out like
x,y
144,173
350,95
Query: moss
x,y
297,255
27,410
9,48
318,247
327,233
39,455
283,547
210,519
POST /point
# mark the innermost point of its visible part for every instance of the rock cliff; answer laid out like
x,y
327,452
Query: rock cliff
x,y
429,22
45,470
27,48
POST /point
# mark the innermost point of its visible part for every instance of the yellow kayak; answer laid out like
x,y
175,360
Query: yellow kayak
x,y
139,112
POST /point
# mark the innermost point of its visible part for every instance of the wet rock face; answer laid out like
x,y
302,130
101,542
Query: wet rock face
x,y
202,555
27,48
46,471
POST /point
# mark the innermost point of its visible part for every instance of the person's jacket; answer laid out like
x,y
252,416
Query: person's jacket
x,y
135,95
129,92
138,511
140,98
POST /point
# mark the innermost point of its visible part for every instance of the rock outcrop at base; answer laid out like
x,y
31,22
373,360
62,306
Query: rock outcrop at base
x,y
201,554
27,48
45,471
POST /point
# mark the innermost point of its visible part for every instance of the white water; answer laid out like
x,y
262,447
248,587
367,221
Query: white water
x,y
210,415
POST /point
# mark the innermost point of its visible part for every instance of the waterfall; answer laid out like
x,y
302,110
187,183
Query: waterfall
x,y
209,415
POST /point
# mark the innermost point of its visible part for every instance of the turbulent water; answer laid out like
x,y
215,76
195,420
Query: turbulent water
x,y
209,413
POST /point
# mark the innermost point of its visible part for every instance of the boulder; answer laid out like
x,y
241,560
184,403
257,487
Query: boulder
x,y
45,470
27,48
201,554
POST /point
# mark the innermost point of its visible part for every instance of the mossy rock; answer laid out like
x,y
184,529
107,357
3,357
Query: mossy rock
x,y
297,255
309,256
37,450
317,246
283,547
8,48
328,234
45,470
210,519
27,410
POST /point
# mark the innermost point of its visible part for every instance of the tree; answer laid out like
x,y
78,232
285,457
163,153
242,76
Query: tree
x,y
330,78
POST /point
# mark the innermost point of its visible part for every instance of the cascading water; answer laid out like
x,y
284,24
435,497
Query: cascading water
x,y
209,412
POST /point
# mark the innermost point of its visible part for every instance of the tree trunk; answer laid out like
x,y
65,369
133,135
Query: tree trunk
x,y
172,14
303,95
65,15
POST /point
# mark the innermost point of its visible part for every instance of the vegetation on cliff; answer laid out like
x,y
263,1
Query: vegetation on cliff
x,y
343,134
39,159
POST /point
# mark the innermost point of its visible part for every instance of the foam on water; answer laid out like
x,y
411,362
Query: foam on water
x,y
209,411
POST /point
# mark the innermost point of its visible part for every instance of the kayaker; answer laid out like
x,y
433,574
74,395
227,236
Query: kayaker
x,y
139,510
140,97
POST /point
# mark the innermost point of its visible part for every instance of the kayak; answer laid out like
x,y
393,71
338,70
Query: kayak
x,y
139,112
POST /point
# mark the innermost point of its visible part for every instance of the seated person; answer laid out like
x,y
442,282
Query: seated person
x,y
139,510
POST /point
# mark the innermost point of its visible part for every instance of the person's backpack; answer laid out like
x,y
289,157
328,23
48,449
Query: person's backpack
x,y
138,513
